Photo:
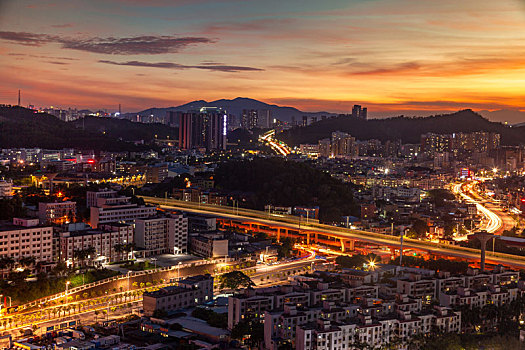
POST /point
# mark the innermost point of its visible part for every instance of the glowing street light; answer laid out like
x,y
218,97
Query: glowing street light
x,y
67,288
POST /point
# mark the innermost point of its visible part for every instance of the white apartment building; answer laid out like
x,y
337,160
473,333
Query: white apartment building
x,y
209,245
243,307
57,212
417,287
187,293
6,189
92,197
491,294
26,238
159,235
127,213
324,334
102,239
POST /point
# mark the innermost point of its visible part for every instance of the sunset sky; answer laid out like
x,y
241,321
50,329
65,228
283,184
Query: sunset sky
x,y
393,56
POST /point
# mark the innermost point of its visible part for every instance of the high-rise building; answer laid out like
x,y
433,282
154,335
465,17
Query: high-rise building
x,y
435,143
206,129
172,118
264,118
358,112
250,119
324,148
343,144
305,121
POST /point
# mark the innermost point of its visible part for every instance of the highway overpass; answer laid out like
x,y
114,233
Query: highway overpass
x,y
311,229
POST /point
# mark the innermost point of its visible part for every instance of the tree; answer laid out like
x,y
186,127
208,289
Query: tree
x,y
286,248
6,262
419,229
286,183
27,261
355,261
234,280
119,248
60,269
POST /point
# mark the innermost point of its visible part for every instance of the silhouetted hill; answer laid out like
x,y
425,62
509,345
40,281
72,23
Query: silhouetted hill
x,y
409,130
235,107
22,127
125,129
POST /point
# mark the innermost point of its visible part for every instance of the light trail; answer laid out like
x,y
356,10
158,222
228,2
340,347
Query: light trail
x,y
493,222
278,146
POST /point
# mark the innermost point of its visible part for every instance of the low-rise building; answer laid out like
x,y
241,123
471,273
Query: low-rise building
x,y
106,240
6,189
244,307
57,212
186,293
122,212
209,245
26,238
92,197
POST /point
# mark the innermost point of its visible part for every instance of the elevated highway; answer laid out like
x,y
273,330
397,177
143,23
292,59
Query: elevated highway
x,y
311,232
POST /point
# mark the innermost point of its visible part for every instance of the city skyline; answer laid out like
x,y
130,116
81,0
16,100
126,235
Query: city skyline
x,y
395,57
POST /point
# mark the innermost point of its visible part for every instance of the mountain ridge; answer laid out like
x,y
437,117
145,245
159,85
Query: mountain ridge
x,y
284,113
234,106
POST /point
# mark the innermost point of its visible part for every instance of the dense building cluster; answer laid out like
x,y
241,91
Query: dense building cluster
x,y
338,310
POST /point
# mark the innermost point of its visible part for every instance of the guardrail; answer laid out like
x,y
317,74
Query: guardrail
x,y
345,232
131,274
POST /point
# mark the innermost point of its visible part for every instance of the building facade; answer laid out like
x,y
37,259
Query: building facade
x,y
160,235
186,293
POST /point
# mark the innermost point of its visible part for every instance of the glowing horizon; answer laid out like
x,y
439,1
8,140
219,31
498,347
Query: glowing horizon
x,y
393,56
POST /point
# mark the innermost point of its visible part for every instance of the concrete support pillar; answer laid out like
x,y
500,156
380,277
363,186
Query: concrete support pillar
x,y
483,237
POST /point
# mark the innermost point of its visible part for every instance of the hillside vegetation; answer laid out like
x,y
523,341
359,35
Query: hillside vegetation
x,y
409,130
286,183
125,129
23,128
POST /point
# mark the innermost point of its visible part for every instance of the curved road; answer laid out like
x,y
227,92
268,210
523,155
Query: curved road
x,y
492,222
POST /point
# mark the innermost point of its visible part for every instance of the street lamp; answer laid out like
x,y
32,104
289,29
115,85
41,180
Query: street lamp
x,y
155,261
178,271
67,288
129,287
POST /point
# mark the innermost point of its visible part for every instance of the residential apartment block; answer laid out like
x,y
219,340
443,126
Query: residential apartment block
x,y
104,239
159,235
122,212
186,293
26,238
57,212
336,309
